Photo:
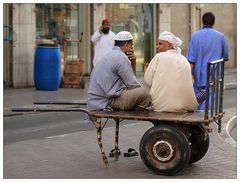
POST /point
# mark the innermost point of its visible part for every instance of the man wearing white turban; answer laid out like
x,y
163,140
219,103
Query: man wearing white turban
x,y
169,77
175,41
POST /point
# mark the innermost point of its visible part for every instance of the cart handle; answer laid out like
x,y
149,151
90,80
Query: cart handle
x,y
59,103
50,110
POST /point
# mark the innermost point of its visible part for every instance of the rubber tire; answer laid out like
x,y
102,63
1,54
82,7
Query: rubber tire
x,y
179,143
199,144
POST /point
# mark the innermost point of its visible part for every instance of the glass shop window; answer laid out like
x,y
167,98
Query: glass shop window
x,y
137,19
54,21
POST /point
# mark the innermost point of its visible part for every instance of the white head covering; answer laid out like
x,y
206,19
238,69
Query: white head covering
x,y
175,41
124,36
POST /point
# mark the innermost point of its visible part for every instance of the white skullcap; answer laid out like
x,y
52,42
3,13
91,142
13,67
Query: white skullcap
x,y
124,36
169,37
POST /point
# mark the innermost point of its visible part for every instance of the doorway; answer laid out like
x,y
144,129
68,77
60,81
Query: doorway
x,y
135,18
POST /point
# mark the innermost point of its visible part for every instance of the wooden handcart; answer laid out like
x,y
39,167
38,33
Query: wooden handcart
x,y
73,67
175,140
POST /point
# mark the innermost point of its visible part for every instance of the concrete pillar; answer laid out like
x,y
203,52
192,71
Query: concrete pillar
x,y
193,18
85,23
24,28
164,18
156,13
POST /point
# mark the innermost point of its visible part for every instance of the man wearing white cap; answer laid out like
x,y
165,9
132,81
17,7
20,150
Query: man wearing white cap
x,y
113,82
169,77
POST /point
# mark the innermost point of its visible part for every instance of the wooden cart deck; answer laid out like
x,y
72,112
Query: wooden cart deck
x,y
152,116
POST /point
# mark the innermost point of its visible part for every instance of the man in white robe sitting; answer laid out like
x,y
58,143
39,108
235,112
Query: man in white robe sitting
x,y
169,77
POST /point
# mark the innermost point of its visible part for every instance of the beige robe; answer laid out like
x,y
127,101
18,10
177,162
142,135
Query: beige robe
x,y
169,77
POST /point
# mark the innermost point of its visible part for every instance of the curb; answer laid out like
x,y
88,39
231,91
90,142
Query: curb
x,y
226,129
232,124
8,113
12,114
230,86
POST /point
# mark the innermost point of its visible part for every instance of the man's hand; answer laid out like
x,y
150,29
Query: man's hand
x,y
100,29
131,56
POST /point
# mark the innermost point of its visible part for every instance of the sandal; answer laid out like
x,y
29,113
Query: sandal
x,y
111,154
131,152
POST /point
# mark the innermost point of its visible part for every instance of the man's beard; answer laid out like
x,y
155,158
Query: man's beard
x,y
105,30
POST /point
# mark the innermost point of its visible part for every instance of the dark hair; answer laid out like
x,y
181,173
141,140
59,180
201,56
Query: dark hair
x,y
121,43
208,19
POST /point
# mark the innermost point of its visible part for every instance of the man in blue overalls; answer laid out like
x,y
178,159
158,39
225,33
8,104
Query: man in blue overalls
x,y
206,44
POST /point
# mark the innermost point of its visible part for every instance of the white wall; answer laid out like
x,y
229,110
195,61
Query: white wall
x,y
24,27
183,18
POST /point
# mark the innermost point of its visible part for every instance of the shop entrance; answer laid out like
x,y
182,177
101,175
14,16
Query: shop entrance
x,y
57,21
135,18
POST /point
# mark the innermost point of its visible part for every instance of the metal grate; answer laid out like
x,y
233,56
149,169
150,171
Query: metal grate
x,y
214,91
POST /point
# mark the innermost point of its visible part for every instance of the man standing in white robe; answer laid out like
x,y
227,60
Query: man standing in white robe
x,y
103,40
169,77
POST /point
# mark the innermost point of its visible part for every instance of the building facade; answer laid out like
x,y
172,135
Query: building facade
x,y
24,24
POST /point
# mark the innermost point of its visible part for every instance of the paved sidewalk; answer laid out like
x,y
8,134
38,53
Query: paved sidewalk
x,y
230,81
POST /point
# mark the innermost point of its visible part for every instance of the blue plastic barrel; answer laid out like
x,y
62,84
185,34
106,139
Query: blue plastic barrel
x,y
47,68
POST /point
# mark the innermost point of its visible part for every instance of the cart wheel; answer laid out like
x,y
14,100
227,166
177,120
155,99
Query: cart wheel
x,y
199,143
165,150
82,83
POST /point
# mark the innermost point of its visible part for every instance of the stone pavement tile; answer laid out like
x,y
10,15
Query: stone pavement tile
x,y
76,155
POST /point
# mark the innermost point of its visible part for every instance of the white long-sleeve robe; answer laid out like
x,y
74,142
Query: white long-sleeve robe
x,y
169,77
103,43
